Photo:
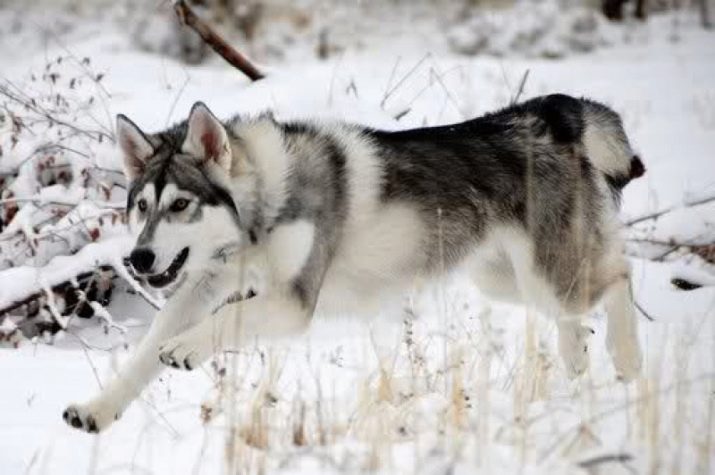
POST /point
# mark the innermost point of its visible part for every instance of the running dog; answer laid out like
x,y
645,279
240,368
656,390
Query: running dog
x,y
252,225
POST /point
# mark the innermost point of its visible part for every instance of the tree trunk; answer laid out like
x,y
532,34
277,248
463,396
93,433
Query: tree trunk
x,y
642,9
613,9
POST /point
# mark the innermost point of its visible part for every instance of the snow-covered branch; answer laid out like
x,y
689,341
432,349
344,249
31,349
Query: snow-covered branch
x,y
657,214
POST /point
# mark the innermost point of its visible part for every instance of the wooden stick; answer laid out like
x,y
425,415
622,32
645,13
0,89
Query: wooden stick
x,y
215,41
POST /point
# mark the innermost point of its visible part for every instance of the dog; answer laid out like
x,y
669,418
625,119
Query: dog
x,y
253,225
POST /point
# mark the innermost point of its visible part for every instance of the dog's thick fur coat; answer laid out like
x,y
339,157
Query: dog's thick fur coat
x,y
254,225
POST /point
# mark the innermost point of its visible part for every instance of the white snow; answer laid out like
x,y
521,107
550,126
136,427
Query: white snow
x,y
472,387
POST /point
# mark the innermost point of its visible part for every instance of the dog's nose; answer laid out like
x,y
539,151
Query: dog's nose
x,y
142,259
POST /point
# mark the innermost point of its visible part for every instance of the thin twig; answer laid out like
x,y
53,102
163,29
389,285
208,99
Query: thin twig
x,y
392,76
55,233
704,250
39,201
215,41
519,91
658,214
621,458
85,350
121,270
47,115
561,436
176,99
643,311
399,83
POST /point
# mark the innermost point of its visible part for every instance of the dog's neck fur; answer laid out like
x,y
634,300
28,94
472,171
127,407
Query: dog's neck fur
x,y
260,165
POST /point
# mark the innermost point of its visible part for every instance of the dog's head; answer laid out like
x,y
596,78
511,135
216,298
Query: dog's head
x,y
179,207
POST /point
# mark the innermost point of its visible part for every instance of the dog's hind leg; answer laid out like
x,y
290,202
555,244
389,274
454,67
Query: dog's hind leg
x,y
537,291
573,345
622,336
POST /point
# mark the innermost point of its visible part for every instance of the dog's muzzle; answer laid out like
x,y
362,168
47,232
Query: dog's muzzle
x,y
170,274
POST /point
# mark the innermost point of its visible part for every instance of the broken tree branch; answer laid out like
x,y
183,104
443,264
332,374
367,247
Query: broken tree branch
x,y
189,18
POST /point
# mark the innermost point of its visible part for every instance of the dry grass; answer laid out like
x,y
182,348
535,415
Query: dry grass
x,y
484,391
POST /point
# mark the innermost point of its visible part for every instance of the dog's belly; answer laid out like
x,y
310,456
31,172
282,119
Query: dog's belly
x,y
348,294
376,261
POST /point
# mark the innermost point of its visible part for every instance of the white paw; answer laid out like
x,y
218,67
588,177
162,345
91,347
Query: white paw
x,y
627,360
573,347
184,352
90,417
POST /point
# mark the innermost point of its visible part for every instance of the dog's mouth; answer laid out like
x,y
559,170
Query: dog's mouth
x,y
170,274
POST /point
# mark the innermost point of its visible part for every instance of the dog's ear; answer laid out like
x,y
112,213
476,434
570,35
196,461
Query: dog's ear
x,y
136,147
206,138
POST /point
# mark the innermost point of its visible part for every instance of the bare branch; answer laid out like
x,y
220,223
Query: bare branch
x,y
643,311
609,458
16,96
122,272
658,214
36,200
215,41
705,250
520,90
399,83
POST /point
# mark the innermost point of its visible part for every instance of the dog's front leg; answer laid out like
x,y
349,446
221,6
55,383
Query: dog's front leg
x,y
233,325
179,313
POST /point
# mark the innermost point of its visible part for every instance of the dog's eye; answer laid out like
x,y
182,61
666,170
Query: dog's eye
x,y
179,205
142,205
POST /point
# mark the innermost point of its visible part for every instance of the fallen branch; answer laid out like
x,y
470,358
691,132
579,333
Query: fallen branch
x,y
705,250
81,303
658,214
76,282
215,41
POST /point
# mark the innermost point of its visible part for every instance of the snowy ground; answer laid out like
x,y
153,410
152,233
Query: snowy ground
x,y
473,387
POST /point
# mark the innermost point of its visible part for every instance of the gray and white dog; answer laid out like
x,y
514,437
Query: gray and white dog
x,y
303,217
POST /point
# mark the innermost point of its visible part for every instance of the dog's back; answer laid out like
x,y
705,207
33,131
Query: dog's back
x,y
532,164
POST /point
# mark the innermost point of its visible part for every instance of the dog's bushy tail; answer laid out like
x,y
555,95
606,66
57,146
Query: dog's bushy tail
x,y
607,146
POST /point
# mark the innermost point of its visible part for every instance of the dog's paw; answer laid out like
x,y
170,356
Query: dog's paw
x,y
90,417
182,353
627,360
576,365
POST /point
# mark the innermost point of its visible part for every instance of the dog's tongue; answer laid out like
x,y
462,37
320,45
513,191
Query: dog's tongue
x,y
166,277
